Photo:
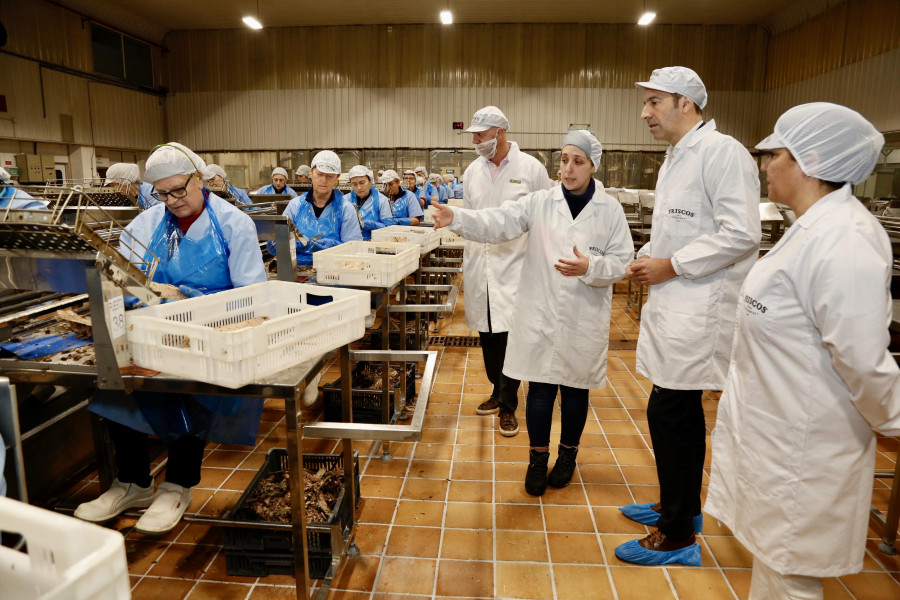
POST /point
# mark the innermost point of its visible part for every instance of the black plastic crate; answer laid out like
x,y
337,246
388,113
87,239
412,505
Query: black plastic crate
x,y
377,337
262,552
366,402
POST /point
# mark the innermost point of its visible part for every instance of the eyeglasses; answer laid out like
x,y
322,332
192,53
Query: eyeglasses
x,y
176,194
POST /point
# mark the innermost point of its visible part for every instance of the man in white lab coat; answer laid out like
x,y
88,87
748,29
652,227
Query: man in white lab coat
x,y
704,239
491,271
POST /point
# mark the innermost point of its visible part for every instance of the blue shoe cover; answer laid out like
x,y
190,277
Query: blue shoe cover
x,y
645,515
634,553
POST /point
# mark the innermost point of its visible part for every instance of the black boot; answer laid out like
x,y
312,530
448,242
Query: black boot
x,y
562,471
536,476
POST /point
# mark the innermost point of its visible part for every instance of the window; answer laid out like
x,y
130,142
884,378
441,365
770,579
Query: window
x,y
121,57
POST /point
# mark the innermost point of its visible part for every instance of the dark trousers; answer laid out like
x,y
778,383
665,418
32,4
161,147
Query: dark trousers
x,y
493,349
678,432
133,457
573,408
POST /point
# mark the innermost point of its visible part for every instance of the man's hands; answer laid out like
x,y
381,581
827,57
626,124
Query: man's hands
x,y
443,214
650,271
573,268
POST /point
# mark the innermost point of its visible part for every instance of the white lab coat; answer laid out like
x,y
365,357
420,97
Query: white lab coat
x,y
793,449
496,267
559,330
245,264
706,218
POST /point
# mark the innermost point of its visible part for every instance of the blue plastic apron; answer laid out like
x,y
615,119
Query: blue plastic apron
x,y
369,211
202,265
326,226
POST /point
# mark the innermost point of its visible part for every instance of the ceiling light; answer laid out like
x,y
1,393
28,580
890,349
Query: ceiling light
x,y
446,17
646,18
252,23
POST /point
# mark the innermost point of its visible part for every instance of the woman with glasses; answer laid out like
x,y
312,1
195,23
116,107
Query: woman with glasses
x,y
204,245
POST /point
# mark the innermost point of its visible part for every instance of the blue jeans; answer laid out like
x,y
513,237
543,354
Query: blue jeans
x,y
539,413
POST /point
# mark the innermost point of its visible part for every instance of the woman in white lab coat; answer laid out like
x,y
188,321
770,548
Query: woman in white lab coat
x,y
578,247
810,376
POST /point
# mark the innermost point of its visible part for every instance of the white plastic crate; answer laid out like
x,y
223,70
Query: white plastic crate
x,y
67,559
180,338
426,237
372,264
448,238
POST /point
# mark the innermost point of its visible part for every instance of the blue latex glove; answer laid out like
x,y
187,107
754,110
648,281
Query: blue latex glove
x,y
370,225
132,302
189,291
404,221
322,243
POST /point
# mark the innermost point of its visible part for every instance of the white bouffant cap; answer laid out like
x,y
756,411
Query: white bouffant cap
x,y
170,159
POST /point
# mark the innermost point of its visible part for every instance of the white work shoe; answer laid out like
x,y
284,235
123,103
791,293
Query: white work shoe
x,y
114,501
166,511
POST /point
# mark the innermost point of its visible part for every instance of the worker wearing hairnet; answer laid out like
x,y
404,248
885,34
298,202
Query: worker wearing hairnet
x,y
204,244
322,215
279,184
373,207
704,239
559,327
501,172
429,190
127,178
811,376
405,208
442,191
215,177
302,174
13,197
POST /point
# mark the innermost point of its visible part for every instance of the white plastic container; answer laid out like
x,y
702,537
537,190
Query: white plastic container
x,y
448,238
180,338
67,559
367,264
426,237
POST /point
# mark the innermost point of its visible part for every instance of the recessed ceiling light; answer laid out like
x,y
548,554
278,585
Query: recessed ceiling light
x,y
646,18
252,23
446,17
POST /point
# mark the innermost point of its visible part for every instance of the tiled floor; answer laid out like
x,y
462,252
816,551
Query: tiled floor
x,y
448,516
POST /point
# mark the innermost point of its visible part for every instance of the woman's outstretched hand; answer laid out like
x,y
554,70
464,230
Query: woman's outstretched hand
x,y
573,268
443,214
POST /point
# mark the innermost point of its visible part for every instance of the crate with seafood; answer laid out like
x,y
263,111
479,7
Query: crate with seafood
x,y
426,237
372,264
237,336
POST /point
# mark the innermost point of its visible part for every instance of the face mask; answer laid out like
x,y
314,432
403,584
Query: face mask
x,y
487,149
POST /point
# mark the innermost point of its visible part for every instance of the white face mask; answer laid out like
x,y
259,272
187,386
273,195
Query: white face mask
x,y
487,149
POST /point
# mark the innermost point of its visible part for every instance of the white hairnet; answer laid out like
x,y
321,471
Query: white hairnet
x,y
359,171
420,170
212,170
409,172
434,177
122,173
279,171
327,161
4,175
584,139
170,159
303,170
371,175
389,176
829,141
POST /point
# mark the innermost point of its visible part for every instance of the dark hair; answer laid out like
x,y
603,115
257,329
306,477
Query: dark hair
x,y
677,97
832,185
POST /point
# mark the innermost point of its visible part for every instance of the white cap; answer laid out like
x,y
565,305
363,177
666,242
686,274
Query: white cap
x,y
420,170
303,170
4,175
122,173
359,171
585,140
370,174
677,80
389,176
170,159
487,117
434,177
409,172
327,161
279,171
212,170
829,141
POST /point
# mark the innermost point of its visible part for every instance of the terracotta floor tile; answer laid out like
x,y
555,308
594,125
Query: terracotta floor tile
x,y
886,561
642,583
469,515
358,574
572,494
406,575
226,459
376,510
209,590
469,578
184,561
575,548
611,520
424,489
273,593
239,480
518,580
582,581
619,428
370,538
434,451
468,544
509,492
217,571
511,454
568,518
521,546
519,517
438,436
645,493
729,552
150,588
419,542
212,477
608,495
476,423
740,582
872,586
253,461
476,471
510,471
419,512
699,584
380,487
627,456
218,504
474,453
440,421
833,590
595,456
600,474
478,437
142,555
396,467
640,475
430,469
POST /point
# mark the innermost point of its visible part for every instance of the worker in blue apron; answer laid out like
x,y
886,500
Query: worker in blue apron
x,y
373,207
214,175
322,215
204,245
279,184
127,178
405,206
12,197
